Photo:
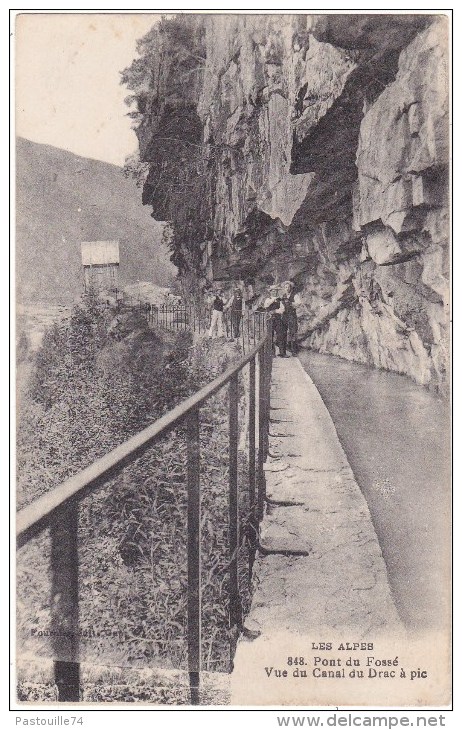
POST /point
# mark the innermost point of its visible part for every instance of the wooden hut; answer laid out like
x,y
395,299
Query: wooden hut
x,y
100,261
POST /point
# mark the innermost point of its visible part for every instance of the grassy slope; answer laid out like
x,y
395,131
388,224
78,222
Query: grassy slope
x,y
132,552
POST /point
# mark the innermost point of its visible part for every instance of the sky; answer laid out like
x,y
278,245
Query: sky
x,y
67,81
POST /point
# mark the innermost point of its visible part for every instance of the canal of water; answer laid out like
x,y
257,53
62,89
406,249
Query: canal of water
x,y
396,436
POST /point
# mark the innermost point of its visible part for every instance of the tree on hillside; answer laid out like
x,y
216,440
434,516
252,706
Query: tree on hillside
x,y
180,182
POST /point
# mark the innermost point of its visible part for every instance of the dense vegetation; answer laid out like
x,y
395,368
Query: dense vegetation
x,y
98,378
176,168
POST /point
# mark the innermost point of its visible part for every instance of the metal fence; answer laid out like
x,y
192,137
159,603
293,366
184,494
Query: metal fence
x,y
247,328
58,511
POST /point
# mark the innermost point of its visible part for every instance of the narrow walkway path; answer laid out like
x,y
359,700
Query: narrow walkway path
x,y
319,573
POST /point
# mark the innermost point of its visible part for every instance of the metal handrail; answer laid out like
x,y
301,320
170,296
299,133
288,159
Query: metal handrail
x,y
58,509
37,513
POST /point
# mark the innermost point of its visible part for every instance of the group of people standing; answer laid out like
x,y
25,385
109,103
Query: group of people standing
x,y
235,304
281,303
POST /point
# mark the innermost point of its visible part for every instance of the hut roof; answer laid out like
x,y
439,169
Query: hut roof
x,y
96,253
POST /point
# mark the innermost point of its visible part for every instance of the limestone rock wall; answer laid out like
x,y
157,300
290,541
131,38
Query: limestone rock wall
x,y
398,316
331,145
363,228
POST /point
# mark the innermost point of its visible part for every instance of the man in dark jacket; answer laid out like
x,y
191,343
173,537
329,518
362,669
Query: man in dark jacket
x,y
237,305
291,303
275,306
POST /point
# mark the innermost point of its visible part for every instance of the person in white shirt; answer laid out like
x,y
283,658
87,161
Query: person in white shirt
x,y
216,323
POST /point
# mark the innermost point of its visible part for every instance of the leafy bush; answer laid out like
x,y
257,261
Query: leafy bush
x,y
98,379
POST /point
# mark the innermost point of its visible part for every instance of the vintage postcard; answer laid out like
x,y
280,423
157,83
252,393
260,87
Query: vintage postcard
x,y
233,376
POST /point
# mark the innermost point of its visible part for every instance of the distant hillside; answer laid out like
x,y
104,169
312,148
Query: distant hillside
x,y
63,199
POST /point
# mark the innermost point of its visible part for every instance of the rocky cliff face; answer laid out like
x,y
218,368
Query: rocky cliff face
x,y
324,140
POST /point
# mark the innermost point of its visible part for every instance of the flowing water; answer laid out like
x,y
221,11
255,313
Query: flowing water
x,y
396,436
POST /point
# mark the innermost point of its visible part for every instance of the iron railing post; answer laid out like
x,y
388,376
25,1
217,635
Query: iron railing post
x,y
194,557
253,523
264,387
235,610
268,362
64,604
261,442
59,511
